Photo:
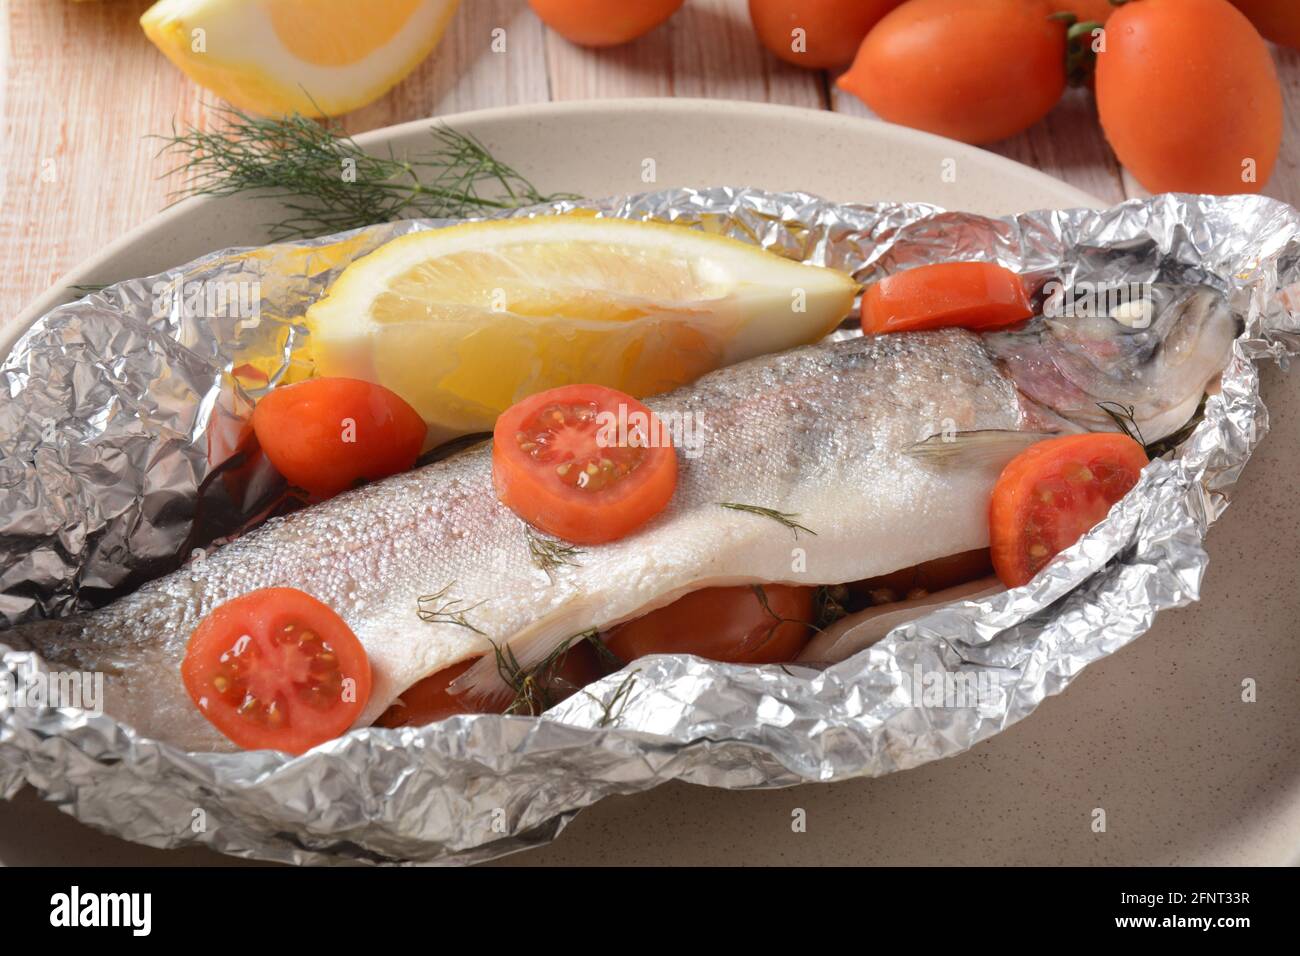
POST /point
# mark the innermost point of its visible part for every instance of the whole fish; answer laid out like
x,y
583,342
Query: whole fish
x,y
839,436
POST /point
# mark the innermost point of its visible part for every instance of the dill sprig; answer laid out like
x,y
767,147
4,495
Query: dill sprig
x,y
549,553
622,694
533,686
1125,419
327,183
1163,446
441,608
777,620
784,517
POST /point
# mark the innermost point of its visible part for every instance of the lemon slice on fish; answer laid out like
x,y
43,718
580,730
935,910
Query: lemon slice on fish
x,y
310,56
462,322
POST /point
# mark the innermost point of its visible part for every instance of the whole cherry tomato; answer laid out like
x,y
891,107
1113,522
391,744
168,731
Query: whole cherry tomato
x,y
1278,20
1088,11
762,624
974,70
328,434
817,34
1189,98
602,22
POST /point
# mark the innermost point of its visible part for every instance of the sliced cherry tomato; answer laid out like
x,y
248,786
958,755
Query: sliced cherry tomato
x,y
1054,493
430,700
585,463
969,295
327,434
277,669
723,624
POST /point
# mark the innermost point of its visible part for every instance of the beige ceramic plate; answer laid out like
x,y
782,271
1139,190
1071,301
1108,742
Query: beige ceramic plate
x,y
1157,735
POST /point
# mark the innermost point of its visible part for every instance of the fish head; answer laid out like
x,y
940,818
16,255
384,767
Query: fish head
x,y
1149,349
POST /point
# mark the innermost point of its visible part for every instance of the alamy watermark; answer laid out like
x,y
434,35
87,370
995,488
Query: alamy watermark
x,y
208,299
951,689
635,429
81,689
1126,302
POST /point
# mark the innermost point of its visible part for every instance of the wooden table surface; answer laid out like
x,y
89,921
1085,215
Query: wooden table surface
x,y
81,89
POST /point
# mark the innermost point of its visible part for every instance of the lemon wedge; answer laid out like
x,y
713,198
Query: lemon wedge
x,y
315,57
464,321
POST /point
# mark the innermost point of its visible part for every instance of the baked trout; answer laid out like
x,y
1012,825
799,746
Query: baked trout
x,y
840,434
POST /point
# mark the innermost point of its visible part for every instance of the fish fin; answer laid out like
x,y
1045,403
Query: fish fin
x,y
495,674
975,449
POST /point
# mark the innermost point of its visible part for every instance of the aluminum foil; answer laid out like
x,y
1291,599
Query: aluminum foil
x,y
108,424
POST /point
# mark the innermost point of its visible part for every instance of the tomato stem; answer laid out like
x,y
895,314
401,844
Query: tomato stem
x,y
1080,57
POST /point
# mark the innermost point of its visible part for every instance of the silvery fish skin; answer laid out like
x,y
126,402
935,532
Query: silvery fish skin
x,y
822,432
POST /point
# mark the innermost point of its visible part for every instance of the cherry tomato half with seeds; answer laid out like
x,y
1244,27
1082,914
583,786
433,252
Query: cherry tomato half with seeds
x,y
585,463
276,669
969,295
430,700
326,435
1052,494
767,624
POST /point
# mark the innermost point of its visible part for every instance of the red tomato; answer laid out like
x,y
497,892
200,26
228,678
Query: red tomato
x,y
929,576
430,700
969,295
974,70
328,434
1189,98
277,669
832,29
1278,20
1052,494
723,624
562,463
1088,11
602,23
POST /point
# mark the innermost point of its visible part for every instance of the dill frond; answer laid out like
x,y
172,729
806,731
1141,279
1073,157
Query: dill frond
x,y
533,688
549,553
327,183
622,694
1125,419
440,608
1163,446
777,620
783,517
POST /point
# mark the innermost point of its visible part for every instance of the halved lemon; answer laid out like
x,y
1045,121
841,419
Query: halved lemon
x,y
462,322
315,57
